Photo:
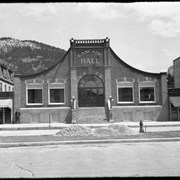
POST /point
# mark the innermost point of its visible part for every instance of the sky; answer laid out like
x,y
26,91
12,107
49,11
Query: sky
x,y
145,35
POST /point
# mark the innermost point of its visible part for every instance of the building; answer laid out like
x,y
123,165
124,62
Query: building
x,y
174,93
6,95
91,84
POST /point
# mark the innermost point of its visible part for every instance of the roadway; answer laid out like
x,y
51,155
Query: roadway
x,y
144,159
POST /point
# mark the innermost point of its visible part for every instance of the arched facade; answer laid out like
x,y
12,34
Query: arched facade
x,y
91,73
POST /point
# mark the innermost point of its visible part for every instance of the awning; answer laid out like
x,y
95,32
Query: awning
x,y
175,101
6,103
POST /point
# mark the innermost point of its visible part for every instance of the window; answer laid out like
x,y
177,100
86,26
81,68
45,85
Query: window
x,y
90,91
0,87
125,92
4,73
147,94
56,93
147,91
5,87
34,94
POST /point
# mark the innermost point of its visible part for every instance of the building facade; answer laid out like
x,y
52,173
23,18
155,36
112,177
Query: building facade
x,y
174,93
6,95
91,84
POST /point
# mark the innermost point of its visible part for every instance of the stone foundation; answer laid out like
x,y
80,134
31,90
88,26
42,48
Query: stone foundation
x,y
45,115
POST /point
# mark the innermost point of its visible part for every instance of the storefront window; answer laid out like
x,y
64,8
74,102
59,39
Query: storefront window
x,y
147,94
125,94
34,96
56,95
0,87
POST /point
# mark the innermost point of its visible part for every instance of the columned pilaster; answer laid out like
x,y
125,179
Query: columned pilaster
x,y
17,92
74,83
73,72
107,70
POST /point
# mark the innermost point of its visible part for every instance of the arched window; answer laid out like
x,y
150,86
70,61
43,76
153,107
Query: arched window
x,y
90,91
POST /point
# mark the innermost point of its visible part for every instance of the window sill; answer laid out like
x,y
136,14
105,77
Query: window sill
x,y
34,104
125,103
55,104
148,102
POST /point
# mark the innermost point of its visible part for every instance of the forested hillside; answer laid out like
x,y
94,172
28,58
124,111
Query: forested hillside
x,y
27,56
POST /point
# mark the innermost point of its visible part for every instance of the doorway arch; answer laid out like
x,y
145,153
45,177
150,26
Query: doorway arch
x,y
91,91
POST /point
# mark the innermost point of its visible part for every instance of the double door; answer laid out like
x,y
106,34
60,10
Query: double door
x,y
91,97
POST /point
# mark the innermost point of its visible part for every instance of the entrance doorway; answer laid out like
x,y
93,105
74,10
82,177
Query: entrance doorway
x,y
5,115
91,91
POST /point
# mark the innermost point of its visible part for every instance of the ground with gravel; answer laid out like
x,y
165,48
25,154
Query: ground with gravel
x,y
81,131
84,133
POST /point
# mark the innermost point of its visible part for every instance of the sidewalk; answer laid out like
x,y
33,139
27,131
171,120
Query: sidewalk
x,y
12,130
59,125
51,143
50,129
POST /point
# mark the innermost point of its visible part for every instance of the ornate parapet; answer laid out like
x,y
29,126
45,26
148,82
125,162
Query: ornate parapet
x,y
86,42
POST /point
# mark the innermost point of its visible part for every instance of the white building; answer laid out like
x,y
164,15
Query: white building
x,y
6,95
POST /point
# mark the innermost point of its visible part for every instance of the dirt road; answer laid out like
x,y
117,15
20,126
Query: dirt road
x,y
93,160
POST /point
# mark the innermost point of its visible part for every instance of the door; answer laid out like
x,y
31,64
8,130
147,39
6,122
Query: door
x,y
174,113
7,116
91,91
1,115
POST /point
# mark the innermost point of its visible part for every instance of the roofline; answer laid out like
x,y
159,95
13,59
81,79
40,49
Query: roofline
x,y
129,66
176,59
39,73
61,60
6,81
74,42
6,68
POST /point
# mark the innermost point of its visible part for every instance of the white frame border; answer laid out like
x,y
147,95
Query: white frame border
x,y
49,103
33,104
125,102
145,102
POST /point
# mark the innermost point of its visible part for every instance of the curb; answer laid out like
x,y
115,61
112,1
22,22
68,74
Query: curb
x,y
76,142
90,126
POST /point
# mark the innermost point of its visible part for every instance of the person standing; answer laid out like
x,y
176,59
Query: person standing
x,y
17,116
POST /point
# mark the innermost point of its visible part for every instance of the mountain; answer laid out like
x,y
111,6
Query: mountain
x,y
27,56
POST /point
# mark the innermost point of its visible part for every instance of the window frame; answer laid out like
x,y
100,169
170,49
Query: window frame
x,y
57,86
5,87
128,85
27,88
1,87
151,85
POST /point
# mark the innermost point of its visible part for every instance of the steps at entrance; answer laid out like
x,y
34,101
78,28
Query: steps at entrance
x,y
90,115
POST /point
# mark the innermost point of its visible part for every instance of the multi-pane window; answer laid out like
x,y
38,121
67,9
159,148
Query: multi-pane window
x,y
0,86
56,93
125,92
147,91
34,94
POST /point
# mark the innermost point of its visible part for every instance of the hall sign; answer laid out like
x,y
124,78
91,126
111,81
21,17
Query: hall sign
x,y
89,57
